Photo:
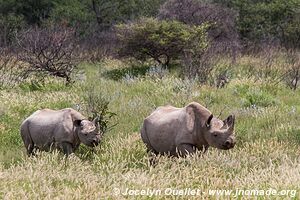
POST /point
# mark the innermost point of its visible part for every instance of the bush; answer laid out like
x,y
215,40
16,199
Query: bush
x,y
48,51
96,106
163,41
222,32
255,97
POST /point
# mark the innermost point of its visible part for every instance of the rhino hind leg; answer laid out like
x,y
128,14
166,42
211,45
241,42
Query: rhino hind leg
x,y
30,148
29,145
145,139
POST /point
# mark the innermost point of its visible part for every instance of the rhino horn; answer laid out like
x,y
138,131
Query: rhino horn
x,y
229,121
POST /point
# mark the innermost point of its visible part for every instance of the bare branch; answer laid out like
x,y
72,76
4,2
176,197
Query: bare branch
x,y
48,51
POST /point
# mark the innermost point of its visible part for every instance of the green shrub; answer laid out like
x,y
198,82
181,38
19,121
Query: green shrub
x,y
163,41
40,85
253,97
96,106
132,71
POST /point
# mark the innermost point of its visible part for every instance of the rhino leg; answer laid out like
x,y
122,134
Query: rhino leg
x,y
152,155
185,149
67,148
29,145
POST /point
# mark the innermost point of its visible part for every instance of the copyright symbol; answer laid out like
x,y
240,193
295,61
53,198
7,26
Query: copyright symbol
x,y
116,191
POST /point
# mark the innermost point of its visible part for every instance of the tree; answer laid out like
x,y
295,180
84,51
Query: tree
x,y
71,12
48,51
268,20
110,12
34,11
162,41
222,32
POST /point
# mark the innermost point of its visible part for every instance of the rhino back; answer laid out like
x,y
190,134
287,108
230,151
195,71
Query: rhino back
x,y
49,126
166,128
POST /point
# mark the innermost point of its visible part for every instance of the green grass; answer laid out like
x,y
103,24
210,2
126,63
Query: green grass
x,y
267,128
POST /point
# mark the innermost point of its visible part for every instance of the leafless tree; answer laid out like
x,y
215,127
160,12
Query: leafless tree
x,y
48,51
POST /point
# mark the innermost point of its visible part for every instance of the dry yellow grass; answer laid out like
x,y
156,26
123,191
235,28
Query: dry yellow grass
x,y
260,165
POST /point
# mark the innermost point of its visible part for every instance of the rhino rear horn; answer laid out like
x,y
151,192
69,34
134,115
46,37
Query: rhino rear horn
x,y
207,124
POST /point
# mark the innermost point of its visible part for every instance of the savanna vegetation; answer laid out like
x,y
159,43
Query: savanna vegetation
x,y
119,61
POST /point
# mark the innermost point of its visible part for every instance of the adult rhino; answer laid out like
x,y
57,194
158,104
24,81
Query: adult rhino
x,y
62,129
180,131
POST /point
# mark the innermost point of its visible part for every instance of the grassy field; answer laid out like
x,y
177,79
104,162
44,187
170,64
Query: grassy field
x,y
267,154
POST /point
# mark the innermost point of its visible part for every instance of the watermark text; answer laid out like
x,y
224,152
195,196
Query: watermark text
x,y
150,192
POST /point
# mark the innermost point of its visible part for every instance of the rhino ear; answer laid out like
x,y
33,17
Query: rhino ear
x,y
207,124
190,120
77,122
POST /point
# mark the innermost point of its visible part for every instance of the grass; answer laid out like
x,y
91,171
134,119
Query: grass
x,y
266,155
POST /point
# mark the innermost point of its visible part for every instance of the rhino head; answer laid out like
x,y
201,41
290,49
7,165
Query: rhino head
x,y
88,132
220,134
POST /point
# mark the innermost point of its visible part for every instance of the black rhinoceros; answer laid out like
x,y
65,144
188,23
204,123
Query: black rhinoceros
x,y
63,129
179,131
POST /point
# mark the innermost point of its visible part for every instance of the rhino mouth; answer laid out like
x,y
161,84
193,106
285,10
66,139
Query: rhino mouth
x,y
227,146
95,143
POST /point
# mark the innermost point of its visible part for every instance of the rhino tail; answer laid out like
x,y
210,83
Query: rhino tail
x,y
26,137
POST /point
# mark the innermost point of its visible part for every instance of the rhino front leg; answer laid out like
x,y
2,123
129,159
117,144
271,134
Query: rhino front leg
x,y
185,149
67,148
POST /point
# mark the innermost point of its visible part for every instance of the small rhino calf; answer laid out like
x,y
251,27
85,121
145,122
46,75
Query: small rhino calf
x,y
62,129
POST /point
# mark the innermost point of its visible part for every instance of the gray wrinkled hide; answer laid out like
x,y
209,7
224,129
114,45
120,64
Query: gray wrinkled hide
x,y
63,129
179,131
